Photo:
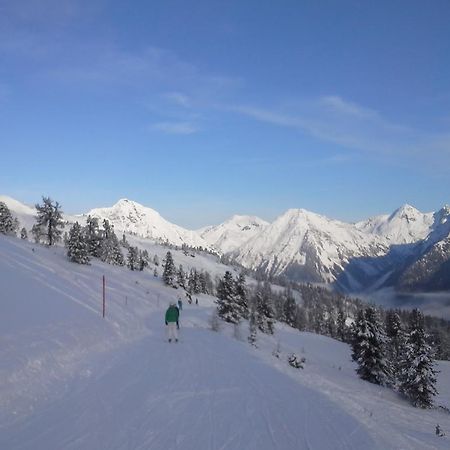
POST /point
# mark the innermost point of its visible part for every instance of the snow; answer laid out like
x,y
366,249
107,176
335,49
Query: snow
x,y
72,380
232,234
320,245
404,226
128,216
24,213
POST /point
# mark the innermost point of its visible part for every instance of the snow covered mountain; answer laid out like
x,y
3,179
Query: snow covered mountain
x,y
430,266
128,216
405,225
422,265
305,246
232,234
300,245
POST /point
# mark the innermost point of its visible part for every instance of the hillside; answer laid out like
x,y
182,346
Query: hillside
x,y
70,379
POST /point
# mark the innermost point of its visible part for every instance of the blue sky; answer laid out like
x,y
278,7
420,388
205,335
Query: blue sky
x,y
211,108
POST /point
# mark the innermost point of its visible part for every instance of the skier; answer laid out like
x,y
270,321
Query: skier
x,y
172,315
180,304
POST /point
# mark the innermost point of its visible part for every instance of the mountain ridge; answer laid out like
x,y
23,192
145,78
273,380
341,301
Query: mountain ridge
x,y
299,244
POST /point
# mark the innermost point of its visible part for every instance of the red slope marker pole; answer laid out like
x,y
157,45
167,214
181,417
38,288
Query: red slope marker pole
x,y
104,296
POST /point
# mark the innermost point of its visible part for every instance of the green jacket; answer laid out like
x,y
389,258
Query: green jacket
x,y
172,314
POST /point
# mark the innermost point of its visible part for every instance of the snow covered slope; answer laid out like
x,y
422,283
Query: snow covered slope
x,y
131,217
72,380
27,214
405,225
306,246
230,235
24,213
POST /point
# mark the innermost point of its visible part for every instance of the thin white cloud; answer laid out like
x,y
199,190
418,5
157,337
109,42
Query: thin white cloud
x,y
351,126
341,106
175,127
178,99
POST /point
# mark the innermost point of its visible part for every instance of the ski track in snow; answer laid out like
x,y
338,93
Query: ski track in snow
x,y
181,396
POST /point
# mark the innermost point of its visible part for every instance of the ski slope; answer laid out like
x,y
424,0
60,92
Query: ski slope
x,y
72,380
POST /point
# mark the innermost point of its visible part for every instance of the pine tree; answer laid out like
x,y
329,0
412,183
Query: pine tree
x,y
301,319
143,259
77,246
253,327
197,282
37,233
8,224
241,296
110,248
209,285
264,309
317,319
202,279
341,330
133,258
169,271
124,243
191,282
93,237
23,233
396,342
289,309
49,218
330,325
226,301
369,341
181,277
418,376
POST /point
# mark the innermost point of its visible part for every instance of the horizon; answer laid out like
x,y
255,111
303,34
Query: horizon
x,y
269,220
203,110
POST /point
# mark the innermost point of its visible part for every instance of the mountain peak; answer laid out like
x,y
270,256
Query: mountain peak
x,y
405,212
127,202
301,215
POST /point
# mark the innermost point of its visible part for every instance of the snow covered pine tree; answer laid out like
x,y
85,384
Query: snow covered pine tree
x,y
169,271
227,307
369,341
49,218
77,246
8,224
418,376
